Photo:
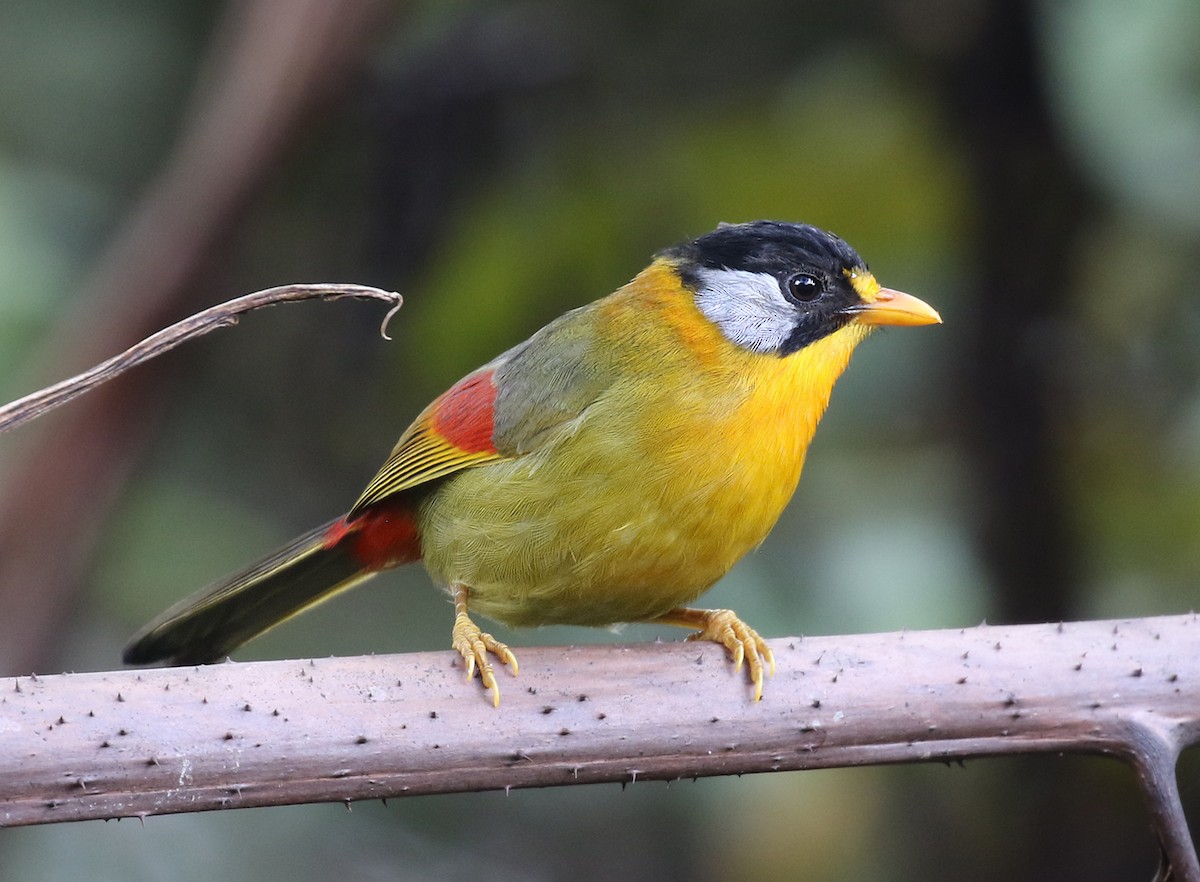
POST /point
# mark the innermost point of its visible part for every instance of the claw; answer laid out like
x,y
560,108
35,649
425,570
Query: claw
x,y
743,642
474,645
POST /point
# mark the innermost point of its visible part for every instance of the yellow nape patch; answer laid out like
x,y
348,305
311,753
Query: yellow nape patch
x,y
864,284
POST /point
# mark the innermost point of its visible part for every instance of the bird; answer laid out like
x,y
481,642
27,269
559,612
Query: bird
x,y
609,469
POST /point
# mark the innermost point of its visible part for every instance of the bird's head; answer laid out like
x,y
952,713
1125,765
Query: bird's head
x,y
775,288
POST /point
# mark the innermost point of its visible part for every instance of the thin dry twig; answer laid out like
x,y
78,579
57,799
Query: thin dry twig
x,y
222,315
138,743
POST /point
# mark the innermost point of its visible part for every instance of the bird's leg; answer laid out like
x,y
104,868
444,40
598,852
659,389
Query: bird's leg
x,y
724,627
474,645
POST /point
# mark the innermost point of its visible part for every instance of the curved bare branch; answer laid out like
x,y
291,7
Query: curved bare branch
x,y
222,315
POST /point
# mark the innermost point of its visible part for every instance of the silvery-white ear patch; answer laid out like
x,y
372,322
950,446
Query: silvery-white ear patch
x,y
749,308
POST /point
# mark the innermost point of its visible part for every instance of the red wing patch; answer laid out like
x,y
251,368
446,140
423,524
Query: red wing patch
x,y
337,531
465,414
381,537
453,433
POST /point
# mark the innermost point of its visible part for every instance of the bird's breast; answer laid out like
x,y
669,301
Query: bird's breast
x,y
647,497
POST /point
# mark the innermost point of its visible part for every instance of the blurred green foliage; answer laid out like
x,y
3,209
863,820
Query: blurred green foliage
x,y
645,125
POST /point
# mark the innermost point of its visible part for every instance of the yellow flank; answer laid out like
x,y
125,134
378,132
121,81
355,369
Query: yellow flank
x,y
656,489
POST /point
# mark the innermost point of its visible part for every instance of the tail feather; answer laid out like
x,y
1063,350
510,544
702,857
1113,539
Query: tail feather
x,y
211,623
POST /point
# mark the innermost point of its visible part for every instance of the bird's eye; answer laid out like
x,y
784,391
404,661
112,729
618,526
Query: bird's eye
x,y
805,287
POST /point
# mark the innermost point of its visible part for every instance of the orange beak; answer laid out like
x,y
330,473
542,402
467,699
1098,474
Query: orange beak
x,y
894,308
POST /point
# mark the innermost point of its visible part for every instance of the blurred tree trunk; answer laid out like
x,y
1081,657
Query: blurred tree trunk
x,y
1032,209
274,63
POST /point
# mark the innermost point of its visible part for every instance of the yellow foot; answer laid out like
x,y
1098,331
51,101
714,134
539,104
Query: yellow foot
x,y
724,627
474,645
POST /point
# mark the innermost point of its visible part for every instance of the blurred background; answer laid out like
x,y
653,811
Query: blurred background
x,y
1030,168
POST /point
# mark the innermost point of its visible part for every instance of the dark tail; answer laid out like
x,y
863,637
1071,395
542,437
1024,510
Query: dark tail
x,y
211,623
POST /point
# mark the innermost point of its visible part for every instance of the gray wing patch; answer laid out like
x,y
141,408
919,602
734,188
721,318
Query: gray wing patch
x,y
549,380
